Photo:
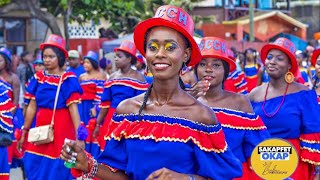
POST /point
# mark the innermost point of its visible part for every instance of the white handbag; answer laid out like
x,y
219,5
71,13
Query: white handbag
x,y
44,134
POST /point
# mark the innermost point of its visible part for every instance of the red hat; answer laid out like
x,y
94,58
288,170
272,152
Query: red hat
x,y
172,17
214,47
284,45
314,57
56,41
127,46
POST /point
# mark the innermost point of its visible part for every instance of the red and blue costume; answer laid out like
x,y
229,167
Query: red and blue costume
x,y
142,145
298,122
236,82
115,91
91,98
244,131
42,161
251,72
6,106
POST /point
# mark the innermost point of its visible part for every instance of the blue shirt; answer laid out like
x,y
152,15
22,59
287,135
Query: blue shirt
x,y
77,71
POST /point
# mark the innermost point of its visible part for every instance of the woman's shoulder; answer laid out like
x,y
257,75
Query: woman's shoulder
x,y
257,93
240,102
297,87
202,114
131,105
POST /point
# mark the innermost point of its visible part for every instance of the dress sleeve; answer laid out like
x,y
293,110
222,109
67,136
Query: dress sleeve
x,y
217,164
106,97
241,83
31,88
253,137
5,111
70,88
310,135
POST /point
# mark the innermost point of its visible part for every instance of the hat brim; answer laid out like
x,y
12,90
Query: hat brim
x,y
88,57
38,62
314,57
120,49
143,27
65,52
232,64
265,50
6,56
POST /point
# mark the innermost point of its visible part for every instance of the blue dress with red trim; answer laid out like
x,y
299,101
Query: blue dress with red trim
x,y
140,147
115,91
243,132
236,82
251,72
6,106
297,121
305,76
91,98
42,161
15,156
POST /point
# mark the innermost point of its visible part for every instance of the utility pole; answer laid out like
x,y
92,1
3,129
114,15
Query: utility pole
x,y
251,22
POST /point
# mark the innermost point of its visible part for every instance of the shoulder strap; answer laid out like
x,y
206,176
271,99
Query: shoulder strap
x,y
56,99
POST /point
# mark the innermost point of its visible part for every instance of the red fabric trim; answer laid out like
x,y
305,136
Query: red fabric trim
x,y
105,104
311,138
234,121
310,157
109,167
159,131
133,84
29,96
6,106
75,97
41,77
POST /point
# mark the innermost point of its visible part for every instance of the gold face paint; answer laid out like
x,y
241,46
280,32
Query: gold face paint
x,y
170,46
153,46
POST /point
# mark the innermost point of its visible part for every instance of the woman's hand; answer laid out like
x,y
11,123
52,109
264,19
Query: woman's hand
x,y
21,141
167,174
95,133
81,144
199,89
71,152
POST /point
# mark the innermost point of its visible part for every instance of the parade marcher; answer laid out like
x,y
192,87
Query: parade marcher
x,y
315,61
12,83
164,133
122,84
38,64
251,68
6,127
74,63
289,109
106,66
243,129
25,70
236,81
92,85
302,63
42,161
140,65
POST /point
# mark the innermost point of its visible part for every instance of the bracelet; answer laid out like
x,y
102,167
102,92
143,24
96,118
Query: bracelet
x,y
93,170
25,129
191,177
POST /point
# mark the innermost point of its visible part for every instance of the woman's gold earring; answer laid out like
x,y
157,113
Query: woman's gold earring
x,y
289,77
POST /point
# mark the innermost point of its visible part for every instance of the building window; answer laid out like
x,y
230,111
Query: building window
x,y
1,31
15,30
38,30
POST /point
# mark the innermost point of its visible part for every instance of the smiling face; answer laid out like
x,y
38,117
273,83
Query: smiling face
x,y
277,63
165,52
212,70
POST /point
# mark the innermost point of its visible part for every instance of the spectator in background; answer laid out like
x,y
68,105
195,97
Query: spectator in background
x,y
25,69
140,65
38,64
36,53
106,65
74,63
302,63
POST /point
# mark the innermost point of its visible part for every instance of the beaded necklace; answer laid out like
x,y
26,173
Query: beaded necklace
x,y
265,99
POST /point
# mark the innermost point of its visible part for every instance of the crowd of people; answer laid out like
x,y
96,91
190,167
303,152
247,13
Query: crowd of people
x,y
164,107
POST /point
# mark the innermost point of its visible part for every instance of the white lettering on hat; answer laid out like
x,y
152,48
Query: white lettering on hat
x,y
160,12
208,44
169,14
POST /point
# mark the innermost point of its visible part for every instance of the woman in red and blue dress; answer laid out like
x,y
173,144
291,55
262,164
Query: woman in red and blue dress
x,y
242,127
301,58
252,69
164,133
5,126
12,83
122,84
42,161
289,109
92,85
315,61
